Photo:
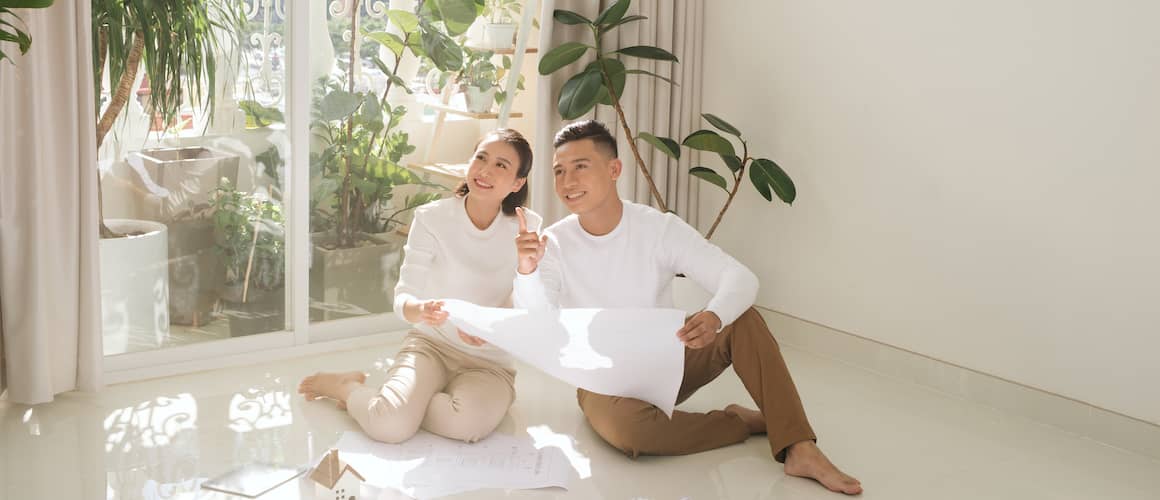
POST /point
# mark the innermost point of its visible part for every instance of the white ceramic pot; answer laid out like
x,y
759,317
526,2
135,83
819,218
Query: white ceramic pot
x,y
479,101
688,296
499,36
134,285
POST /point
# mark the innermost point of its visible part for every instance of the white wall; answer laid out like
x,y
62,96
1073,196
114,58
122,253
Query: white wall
x,y
978,181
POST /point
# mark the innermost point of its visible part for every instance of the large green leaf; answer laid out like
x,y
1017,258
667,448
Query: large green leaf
x,y
371,113
708,140
339,104
767,175
721,124
616,73
568,17
578,96
389,40
258,116
563,55
613,13
648,52
609,27
25,4
732,161
443,51
406,21
457,15
707,174
664,144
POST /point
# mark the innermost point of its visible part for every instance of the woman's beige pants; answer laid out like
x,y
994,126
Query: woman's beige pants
x,y
437,388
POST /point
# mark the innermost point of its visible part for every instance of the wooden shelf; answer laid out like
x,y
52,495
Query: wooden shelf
x,y
463,112
447,174
504,52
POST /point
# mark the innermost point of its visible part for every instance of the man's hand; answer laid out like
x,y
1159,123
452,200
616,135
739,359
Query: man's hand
x,y
700,330
431,312
529,246
470,340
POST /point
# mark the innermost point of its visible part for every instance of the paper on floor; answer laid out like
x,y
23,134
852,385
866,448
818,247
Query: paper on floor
x,y
631,353
429,466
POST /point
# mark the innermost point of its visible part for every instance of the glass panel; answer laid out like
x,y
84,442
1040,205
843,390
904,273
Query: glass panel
x,y
193,174
363,188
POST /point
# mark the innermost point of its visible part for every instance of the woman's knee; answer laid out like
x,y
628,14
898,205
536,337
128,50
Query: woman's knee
x,y
390,424
391,431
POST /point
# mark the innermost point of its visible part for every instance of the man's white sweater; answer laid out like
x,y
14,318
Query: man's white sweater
x,y
634,266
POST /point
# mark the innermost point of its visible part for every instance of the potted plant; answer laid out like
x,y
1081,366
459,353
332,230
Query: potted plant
x,y
175,44
602,82
478,80
10,32
499,28
249,237
356,164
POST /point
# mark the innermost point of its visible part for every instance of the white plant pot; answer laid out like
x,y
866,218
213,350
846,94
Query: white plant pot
x,y
688,296
499,36
134,284
478,101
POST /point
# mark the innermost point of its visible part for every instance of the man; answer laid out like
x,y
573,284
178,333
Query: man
x,y
614,253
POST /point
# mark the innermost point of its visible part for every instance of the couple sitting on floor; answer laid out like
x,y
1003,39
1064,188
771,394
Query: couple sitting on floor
x,y
458,386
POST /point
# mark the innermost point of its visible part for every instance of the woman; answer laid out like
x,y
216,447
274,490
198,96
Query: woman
x,y
443,380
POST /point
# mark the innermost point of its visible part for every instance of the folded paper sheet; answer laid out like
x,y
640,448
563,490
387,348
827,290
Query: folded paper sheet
x,y
631,353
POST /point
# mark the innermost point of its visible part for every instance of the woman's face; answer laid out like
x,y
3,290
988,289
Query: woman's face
x,y
491,175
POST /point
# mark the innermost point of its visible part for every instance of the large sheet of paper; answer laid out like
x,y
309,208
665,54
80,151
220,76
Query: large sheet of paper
x,y
429,466
631,353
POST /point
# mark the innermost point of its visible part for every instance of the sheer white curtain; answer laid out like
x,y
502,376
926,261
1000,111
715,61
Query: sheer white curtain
x,y
650,104
50,311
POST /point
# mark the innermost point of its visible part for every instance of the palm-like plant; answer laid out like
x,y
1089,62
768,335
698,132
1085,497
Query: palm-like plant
x,y
10,32
177,41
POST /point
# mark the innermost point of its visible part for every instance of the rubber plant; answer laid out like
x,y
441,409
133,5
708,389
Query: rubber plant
x,y
603,80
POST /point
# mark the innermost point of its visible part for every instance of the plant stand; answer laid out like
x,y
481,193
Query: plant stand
x,y
346,282
181,179
195,272
262,312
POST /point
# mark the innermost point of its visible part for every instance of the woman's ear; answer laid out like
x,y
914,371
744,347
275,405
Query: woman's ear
x,y
519,184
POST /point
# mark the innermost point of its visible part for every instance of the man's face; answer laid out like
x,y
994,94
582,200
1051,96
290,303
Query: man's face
x,y
585,176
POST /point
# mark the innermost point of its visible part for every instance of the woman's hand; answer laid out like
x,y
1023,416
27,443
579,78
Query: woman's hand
x,y
469,339
428,312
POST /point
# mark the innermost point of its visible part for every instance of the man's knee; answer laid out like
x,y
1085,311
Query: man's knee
x,y
630,425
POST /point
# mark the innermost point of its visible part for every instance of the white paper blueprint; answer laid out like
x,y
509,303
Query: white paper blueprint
x,y
429,466
631,353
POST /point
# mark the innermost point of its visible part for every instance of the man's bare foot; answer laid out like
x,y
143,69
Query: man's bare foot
x,y
752,418
336,386
804,459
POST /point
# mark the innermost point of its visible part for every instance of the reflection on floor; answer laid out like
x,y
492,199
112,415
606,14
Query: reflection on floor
x,y
161,438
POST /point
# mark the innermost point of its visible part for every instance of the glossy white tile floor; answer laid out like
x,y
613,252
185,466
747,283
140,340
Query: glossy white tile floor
x,y
159,438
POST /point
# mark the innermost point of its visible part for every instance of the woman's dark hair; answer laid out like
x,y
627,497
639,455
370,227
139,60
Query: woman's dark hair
x,y
517,141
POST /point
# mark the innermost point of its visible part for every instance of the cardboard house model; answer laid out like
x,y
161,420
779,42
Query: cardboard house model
x,y
334,479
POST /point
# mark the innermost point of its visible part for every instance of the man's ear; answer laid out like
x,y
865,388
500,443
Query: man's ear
x,y
615,167
519,184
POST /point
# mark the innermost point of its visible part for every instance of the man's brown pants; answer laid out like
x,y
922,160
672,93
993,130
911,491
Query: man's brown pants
x,y
637,427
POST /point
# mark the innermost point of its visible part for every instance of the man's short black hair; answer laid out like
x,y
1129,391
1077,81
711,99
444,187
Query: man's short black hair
x,y
587,129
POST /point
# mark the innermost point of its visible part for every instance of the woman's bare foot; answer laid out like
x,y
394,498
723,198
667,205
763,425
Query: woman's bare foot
x,y
336,386
752,418
804,459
